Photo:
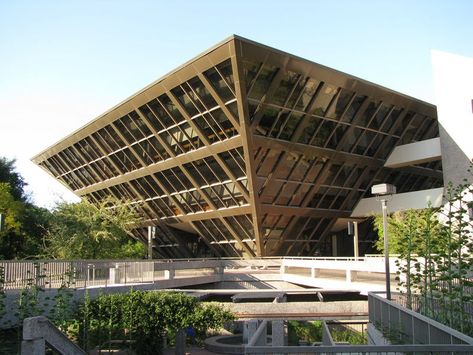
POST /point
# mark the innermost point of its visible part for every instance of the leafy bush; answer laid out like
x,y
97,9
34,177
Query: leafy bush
x,y
143,318
306,331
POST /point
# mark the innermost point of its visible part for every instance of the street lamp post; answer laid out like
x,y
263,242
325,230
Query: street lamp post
x,y
151,236
382,191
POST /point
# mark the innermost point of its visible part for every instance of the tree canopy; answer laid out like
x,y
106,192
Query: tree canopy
x,y
409,225
71,231
92,231
25,223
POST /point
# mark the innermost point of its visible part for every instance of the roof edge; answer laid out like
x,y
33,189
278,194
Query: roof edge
x,y
243,39
129,98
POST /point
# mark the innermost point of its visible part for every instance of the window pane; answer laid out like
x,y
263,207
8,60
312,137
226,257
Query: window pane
x,y
341,102
284,89
324,97
262,82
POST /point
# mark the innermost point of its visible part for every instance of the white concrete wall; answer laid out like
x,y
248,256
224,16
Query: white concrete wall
x,y
453,80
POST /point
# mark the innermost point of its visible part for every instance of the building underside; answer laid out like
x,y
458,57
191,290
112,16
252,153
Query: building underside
x,y
246,151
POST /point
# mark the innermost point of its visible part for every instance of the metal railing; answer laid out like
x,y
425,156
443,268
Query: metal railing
x,y
399,324
456,349
87,274
260,343
103,273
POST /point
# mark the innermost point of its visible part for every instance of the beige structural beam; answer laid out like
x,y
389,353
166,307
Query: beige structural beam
x,y
414,153
398,202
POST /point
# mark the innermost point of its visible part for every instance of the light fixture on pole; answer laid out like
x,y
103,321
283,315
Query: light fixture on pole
x,y
382,191
352,230
151,236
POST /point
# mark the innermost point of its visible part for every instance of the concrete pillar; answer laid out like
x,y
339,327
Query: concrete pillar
x,y
279,334
334,245
249,328
262,340
356,251
33,347
169,274
180,342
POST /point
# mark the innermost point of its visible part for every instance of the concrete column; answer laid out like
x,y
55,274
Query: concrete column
x,y
262,339
279,334
33,347
356,251
169,274
180,342
249,328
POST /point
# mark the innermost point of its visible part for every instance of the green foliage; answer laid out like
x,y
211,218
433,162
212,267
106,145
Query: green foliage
x,y
309,332
144,318
30,297
13,179
87,231
346,335
25,223
63,311
406,227
435,258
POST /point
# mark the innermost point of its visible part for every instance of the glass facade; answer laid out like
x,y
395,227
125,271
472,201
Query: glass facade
x,y
245,156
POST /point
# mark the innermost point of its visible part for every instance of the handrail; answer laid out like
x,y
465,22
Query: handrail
x,y
361,349
39,331
383,311
86,273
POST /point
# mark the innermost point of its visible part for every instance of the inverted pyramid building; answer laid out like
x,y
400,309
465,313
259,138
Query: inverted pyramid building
x,y
246,151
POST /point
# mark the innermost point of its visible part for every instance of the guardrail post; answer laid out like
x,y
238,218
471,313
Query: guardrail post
x,y
169,274
314,272
113,275
350,275
282,269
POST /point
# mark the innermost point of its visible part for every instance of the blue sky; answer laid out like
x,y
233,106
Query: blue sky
x,y
62,63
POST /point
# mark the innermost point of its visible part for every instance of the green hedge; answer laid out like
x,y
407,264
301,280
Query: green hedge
x,y
143,318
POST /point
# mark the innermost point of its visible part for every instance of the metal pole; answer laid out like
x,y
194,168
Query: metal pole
x,y
356,251
386,247
150,242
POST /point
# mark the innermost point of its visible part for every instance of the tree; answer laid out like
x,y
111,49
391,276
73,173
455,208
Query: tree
x,y
25,224
405,230
13,179
86,231
435,258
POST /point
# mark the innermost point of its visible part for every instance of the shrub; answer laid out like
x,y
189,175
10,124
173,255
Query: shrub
x,y
144,317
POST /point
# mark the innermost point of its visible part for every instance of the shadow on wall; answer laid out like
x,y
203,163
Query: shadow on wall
x,y
455,163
